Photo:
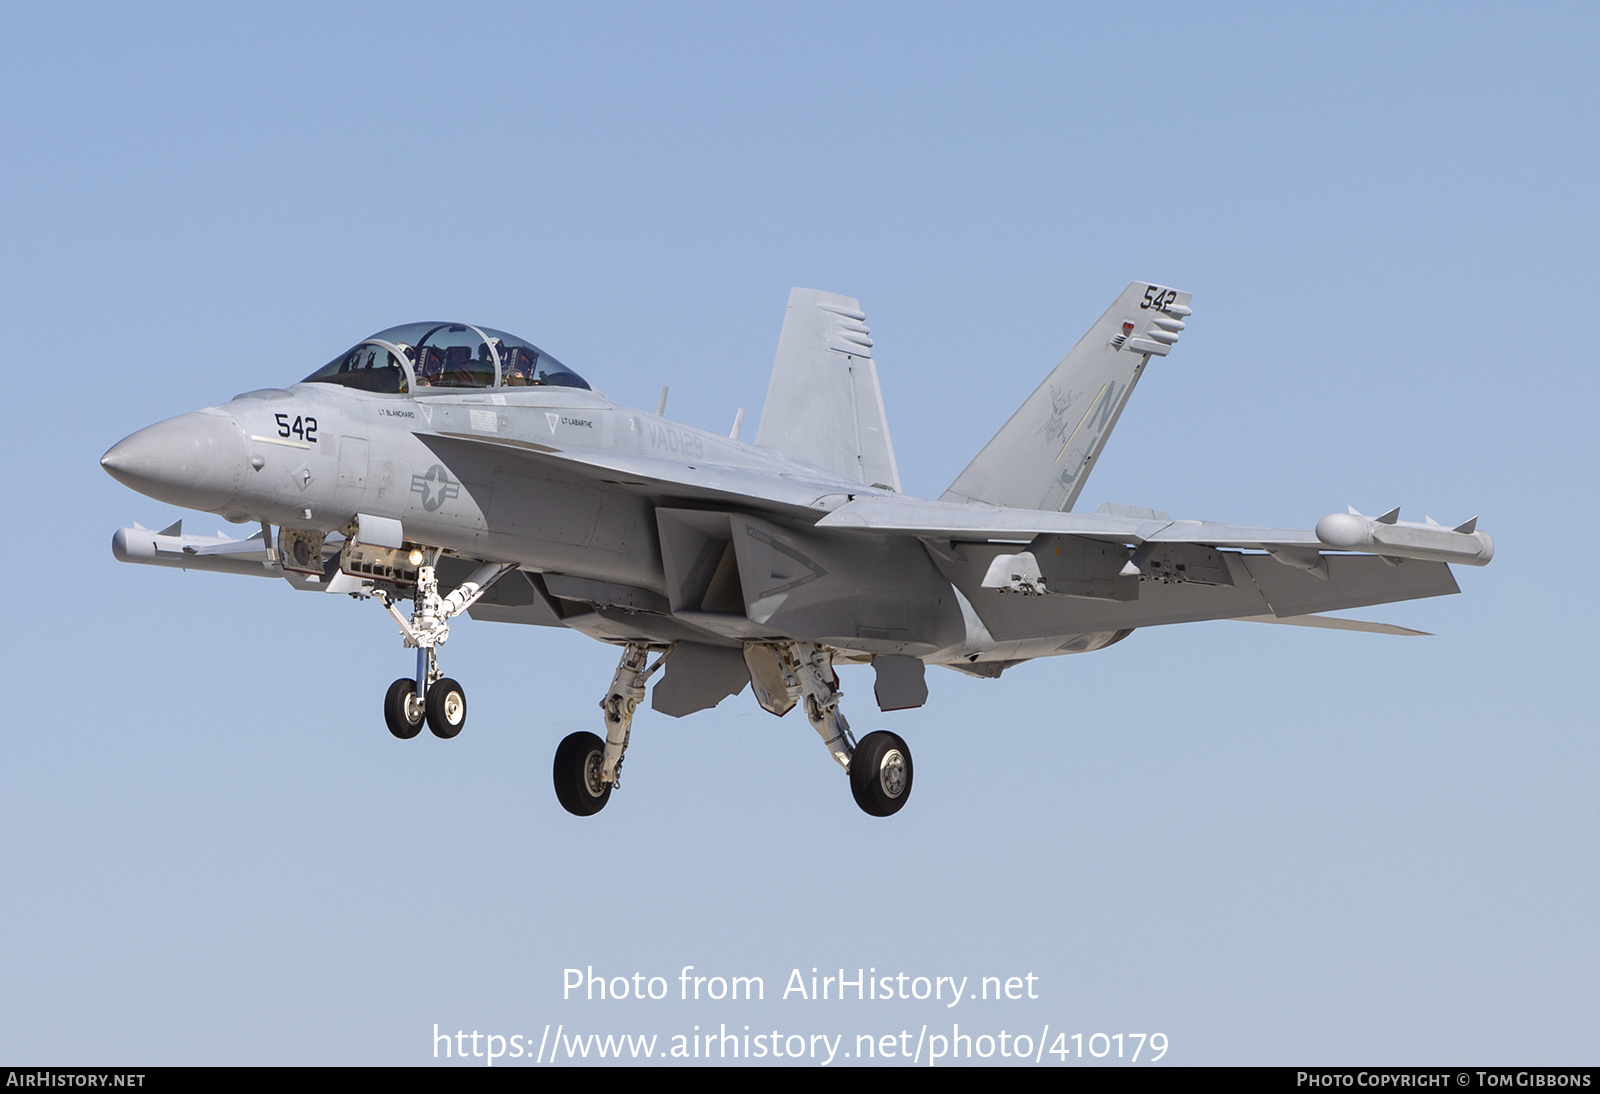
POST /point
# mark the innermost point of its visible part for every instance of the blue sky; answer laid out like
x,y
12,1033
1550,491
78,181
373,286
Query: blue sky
x,y
1272,846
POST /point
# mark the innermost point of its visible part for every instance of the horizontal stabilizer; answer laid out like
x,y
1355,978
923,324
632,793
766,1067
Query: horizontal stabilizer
x,y
1333,623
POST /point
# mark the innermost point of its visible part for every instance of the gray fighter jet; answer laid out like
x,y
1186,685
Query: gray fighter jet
x,y
463,469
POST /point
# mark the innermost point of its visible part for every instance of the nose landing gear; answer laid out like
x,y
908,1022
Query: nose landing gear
x,y
447,708
431,696
401,710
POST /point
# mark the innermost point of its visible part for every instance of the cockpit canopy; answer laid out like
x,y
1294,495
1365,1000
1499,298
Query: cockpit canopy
x,y
420,356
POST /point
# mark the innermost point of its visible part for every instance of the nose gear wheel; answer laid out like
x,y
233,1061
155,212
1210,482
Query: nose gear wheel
x,y
431,696
401,710
447,708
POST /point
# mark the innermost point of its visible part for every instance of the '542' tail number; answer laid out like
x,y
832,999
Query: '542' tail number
x,y
1154,297
305,428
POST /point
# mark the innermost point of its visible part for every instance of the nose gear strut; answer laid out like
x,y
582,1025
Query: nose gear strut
x,y
441,700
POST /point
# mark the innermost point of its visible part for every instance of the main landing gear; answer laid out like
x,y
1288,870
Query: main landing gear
x,y
879,766
783,675
587,768
430,696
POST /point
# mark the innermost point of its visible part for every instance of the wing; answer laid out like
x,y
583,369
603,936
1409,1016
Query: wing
x,y
946,520
1383,536
1133,568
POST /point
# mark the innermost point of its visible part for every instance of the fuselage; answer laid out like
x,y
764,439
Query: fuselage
x,y
480,445
312,456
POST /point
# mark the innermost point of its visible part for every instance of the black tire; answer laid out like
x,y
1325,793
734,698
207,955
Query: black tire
x,y
577,774
447,708
880,774
397,711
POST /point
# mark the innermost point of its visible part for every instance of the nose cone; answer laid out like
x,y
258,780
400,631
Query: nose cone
x,y
194,460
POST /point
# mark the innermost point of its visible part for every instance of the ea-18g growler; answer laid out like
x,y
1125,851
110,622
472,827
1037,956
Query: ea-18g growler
x,y
464,469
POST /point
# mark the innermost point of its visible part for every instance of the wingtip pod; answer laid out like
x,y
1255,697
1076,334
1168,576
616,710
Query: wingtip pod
x,y
1351,530
1388,535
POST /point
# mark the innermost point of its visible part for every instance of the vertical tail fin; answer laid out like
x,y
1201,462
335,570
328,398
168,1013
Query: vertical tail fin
x,y
823,401
1042,457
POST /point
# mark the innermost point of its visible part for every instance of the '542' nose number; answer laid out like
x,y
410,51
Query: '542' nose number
x,y
304,427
